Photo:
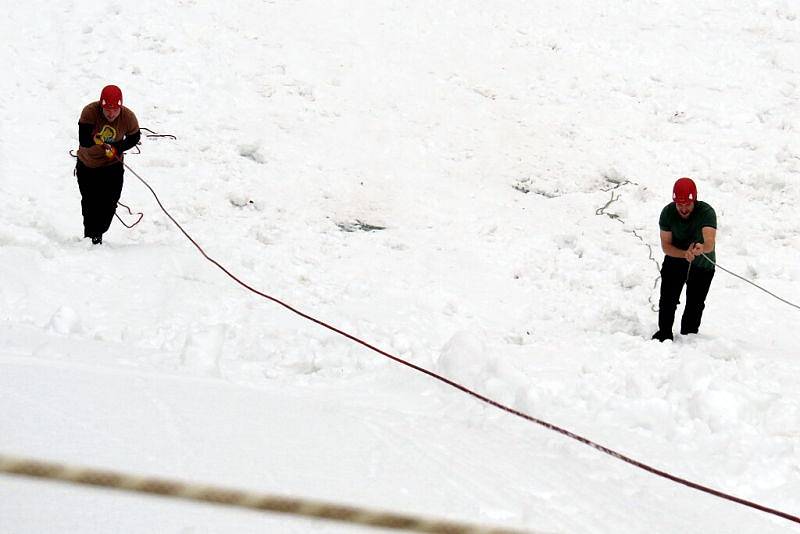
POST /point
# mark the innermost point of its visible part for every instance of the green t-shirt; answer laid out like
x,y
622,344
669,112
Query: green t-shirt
x,y
688,231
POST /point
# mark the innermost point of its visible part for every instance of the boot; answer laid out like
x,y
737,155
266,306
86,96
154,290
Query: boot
x,y
662,336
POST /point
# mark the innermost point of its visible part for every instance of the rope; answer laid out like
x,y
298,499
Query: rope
x,y
140,214
241,499
151,135
752,283
156,135
616,217
475,394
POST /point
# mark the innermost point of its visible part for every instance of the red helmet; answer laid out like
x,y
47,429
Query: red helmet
x,y
684,191
111,97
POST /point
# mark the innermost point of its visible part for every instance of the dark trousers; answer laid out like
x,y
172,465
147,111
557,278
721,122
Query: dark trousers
x,y
674,273
100,191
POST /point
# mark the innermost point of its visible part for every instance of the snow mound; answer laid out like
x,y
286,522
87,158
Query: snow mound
x,y
203,349
65,321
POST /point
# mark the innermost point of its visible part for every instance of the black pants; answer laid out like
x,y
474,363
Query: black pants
x,y
100,191
673,275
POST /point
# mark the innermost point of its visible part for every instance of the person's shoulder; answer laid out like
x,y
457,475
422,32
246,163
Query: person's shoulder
x,y
704,207
667,217
129,117
90,111
706,214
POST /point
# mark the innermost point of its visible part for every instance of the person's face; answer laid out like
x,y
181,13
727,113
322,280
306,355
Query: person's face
x,y
111,113
685,209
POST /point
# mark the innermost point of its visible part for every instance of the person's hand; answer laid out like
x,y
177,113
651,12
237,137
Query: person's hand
x,y
111,151
695,249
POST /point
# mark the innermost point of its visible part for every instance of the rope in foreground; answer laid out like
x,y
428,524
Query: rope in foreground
x,y
611,452
229,497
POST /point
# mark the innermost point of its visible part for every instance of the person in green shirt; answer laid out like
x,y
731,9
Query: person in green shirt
x,y
688,234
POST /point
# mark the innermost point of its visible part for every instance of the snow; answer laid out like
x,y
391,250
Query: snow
x,y
484,137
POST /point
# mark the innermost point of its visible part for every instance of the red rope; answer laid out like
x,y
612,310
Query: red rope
x,y
140,214
472,393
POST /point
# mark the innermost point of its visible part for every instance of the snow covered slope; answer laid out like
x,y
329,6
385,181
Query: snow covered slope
x,y
484,138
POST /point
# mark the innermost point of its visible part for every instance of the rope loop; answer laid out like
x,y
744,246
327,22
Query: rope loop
x,y
140,214
156,135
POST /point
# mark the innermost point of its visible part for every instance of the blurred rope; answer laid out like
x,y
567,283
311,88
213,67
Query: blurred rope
x,y
752,283
241,499
468,391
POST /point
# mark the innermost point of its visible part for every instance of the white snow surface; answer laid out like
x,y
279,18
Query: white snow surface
x,y
483,136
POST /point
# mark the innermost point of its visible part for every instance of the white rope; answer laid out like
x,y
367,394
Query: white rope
x,y
752,283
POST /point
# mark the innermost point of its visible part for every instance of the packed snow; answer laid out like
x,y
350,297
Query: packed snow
x,y
473,186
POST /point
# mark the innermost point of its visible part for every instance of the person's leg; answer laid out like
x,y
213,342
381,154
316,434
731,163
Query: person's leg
x,y
88,186
696,291
109,195
673,276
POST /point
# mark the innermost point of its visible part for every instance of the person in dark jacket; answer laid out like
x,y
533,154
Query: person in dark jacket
x,y
688,235
106,129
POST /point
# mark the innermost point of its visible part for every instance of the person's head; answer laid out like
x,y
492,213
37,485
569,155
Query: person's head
x,y
111,101
684,194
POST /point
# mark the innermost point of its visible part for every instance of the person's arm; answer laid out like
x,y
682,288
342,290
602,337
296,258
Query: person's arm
x,y
709,240
85,138
129,142
667,246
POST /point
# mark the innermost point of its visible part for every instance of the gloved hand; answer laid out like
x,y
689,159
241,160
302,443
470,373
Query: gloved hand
x,y
111,151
